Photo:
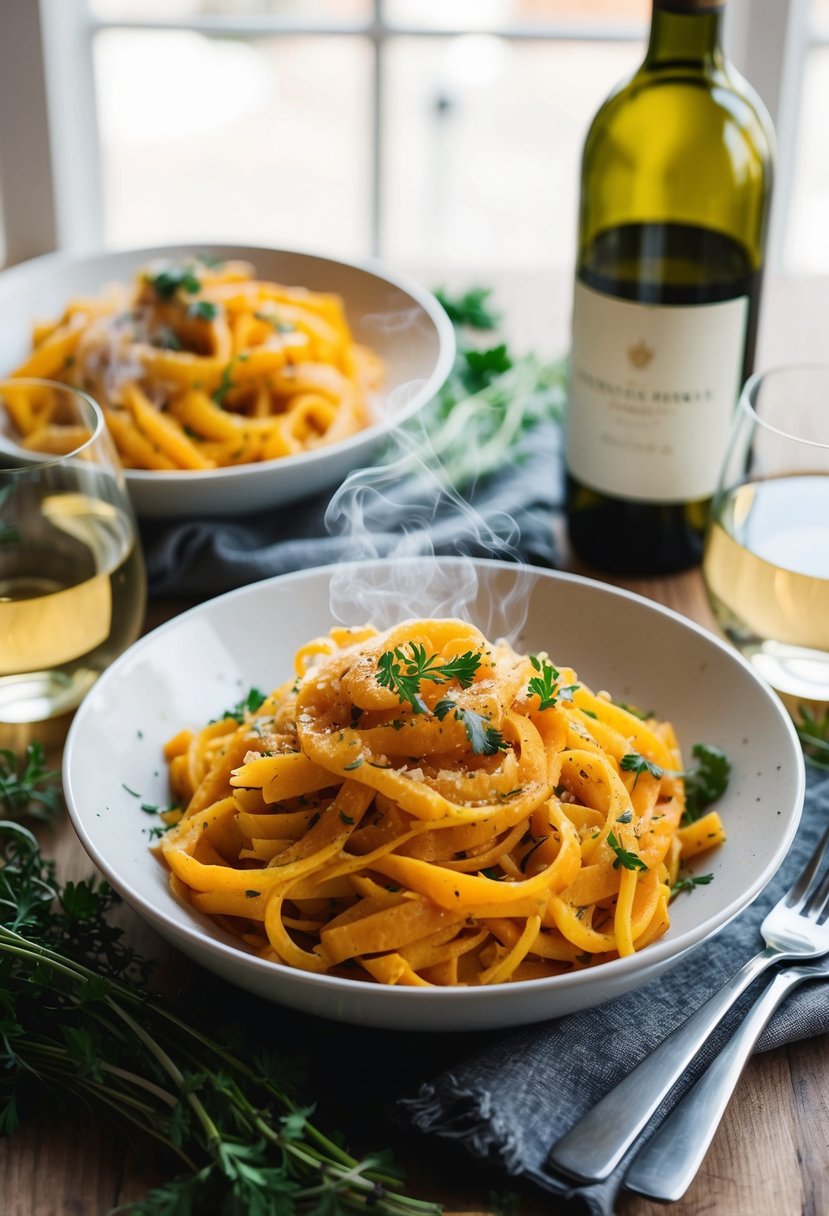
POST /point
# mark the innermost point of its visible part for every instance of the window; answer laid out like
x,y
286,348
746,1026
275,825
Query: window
x,y
435,132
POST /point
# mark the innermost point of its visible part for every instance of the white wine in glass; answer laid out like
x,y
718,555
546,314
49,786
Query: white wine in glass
x,y
766,561
72,583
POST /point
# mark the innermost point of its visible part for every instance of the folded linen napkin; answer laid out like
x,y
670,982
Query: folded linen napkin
x,y
511,1100
394,508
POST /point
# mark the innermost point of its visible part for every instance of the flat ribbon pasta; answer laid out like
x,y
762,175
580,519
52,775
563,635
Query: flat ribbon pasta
x,y
424,807
200,365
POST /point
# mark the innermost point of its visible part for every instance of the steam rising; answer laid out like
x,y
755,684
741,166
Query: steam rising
x,y
405,513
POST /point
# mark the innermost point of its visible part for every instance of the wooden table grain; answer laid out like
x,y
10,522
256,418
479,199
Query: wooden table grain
x,y
770,1156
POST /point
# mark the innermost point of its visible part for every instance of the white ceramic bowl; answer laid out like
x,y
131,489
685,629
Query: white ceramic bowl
x,y
188,670
400,320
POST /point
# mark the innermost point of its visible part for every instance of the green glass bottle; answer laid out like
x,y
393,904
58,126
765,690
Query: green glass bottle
x,y
675,190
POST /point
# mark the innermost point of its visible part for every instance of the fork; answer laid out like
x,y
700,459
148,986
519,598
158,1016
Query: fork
x,y
668,1162
595,1145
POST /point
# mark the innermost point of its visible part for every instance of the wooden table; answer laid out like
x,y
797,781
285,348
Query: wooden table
x,y
771,1154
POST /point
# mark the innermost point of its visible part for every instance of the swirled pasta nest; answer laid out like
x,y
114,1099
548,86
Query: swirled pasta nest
x,y
424,807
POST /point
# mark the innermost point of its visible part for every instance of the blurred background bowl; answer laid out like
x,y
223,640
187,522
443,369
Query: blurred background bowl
x,y
396,317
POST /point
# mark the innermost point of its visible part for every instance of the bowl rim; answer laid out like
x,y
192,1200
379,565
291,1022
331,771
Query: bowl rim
x,y
659,954
373,266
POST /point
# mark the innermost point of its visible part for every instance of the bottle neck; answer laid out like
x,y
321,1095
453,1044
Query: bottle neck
x,y
685,32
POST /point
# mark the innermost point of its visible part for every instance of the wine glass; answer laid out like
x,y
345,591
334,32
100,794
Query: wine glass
x,y
766,558
72,582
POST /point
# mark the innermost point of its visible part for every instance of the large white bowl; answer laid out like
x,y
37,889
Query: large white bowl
x,y
188,670
399,319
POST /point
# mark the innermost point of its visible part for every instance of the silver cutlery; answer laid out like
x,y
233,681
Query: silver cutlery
x,y
667,1164
794,929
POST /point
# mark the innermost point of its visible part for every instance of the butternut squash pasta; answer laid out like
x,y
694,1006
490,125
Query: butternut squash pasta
x,y
202,365
424,807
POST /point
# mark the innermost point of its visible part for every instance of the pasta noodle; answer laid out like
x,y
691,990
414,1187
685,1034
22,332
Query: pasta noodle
x,y
422,807
202,365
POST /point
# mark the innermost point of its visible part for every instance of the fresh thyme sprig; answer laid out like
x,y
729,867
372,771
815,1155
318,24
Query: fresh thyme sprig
x,y
28,787
402,672
76,1020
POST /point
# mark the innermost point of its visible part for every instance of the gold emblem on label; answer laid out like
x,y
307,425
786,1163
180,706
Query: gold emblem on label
x,y
640,354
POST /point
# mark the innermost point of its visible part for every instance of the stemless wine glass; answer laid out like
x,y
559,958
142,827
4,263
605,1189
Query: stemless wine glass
x,y
72,582
766,559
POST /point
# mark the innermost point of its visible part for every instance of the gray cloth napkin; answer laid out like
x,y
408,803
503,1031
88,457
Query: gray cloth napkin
x,y
393,508
510,1102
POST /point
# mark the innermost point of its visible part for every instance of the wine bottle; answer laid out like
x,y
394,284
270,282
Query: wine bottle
x,y
675,189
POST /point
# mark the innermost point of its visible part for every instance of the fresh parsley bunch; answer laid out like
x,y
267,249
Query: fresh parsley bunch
x,y
491,403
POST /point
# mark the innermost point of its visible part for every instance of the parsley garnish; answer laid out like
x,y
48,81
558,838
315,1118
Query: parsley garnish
x,y
634,763
203,310
688,884
483,366
402,673
628,861
471,309
354,764
167,282
705,781
544,684
253,700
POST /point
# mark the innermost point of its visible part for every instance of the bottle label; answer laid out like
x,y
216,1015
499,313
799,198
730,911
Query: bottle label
x,y
652,394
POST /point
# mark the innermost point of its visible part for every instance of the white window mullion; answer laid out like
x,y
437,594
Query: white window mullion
x,y
26,176
768,40
70,92
49,170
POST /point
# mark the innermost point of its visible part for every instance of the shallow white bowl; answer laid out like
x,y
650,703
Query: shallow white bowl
x,y
399,319
188,670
